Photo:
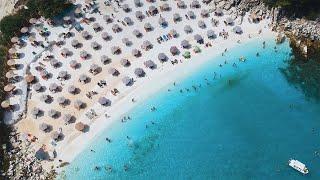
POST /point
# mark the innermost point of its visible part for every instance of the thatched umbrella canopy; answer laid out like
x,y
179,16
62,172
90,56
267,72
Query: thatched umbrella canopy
x,y
67,118
96,27
35,111
5,104
53,87
104,101
128,21
153,10
126,8
10,74
181,4
165,7
9,87
80,126
62,74
125,62
185,44
88,1
52,113
218,12
174,50
229,21
64,51
139,15
201,24
12,51
77,11
75,43
115,50
44,127
237,30
204,13
61,100
94,67
84,54
206,1
187,29
174,33
211,34
176,17
106,36
14,39
85,34
113,71
72,89
127,80
139,72
126,41
116,28
150,64
54,62
195,4
162,21
146,44
37,87
44,98
73,64
138,3
105,59
108,18
137,33
56,136
32,38
32,20
95,45
78,104
136,52
11,62
148,27
24,30
162,57
198,38
29,78
191,14
83,78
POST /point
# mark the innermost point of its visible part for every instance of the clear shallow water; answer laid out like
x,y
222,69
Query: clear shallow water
x,y
245,124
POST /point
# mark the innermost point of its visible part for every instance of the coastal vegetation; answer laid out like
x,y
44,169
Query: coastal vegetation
x,y
297,8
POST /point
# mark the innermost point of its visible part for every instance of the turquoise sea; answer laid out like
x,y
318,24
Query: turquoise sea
x,y
230,122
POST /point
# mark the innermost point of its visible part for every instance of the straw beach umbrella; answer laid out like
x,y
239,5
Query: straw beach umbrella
x,y
78,104
94,68
37,87
115,50
136,53
62,75
126,8
95,45
163,21
181,4
139,72
165,7
96,27
67,118
29,78
24,30
139,15
137,3
125,62
162,57
53,87
11,62
128,21
218,12
176,17
113,71
201,24
9,87
10,74
127,81
105,59
56,136
195,4
83,78
5,104
44,127
229,21
174,50
52,113
126,41
12,51
150,64
116,28
84,54
104,101
61,100
204,13
211,34
44,98
148,27
146,45
237,30
187,29
54,63
174,33
153,10
191,15
67,19
137,33
198,38
15,39
72,89
85,34
75,43
106,36
35,112
80,126
73,64
108,18
185,44
33,21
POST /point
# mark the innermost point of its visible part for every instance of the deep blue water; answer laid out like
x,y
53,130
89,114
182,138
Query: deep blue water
x,y
245,123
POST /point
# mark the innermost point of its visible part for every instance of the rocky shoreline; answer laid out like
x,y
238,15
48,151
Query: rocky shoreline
x,y
22,161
